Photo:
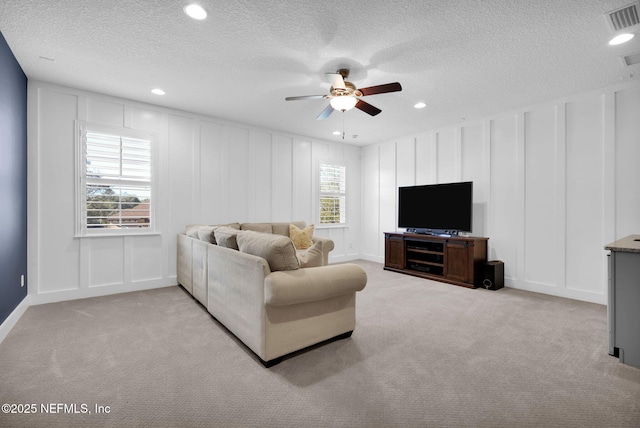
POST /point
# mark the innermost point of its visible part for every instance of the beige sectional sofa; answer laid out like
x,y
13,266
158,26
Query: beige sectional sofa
x,y
275,298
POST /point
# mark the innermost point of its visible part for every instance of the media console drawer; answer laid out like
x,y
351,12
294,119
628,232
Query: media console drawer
x,y
456,260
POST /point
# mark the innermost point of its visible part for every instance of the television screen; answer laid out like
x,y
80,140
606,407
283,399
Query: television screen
x,y
437,207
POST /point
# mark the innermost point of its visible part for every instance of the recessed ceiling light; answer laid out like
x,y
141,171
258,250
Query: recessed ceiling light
x,y
337,133
621,38
158,91
420,105
195,11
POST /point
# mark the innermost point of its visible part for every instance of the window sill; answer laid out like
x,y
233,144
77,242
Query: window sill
x,y
332,226
119,234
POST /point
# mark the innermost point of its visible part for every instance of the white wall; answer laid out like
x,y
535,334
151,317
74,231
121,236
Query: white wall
x,y
553,184
211,171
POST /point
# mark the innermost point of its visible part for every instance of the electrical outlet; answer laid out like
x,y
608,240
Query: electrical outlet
x,y
21,280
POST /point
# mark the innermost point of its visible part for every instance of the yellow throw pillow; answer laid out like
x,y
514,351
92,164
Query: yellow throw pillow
x,y
301,237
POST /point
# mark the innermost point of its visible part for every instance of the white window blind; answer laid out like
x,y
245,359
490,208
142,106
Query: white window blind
x,y
333,194
116,181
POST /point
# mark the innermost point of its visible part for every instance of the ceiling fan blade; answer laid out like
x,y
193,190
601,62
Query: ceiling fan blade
x,y
306,97
336,80
381,89
367,108
325,113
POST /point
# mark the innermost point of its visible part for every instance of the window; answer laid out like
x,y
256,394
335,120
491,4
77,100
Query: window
x,y
115,192
333,194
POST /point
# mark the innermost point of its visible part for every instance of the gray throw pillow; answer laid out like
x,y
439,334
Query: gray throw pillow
x,y
205,233
277,250
312,256
225,236
192,230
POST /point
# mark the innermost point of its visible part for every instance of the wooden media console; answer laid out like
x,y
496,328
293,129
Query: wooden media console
x,y
456,260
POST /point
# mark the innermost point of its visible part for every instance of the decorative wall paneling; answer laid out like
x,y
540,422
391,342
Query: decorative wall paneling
x,y
553,183
210,171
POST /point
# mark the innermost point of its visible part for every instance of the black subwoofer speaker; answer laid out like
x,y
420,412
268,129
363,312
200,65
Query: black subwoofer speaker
x,y
493,278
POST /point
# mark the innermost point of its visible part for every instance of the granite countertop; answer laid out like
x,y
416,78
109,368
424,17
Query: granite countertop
x,y
629,244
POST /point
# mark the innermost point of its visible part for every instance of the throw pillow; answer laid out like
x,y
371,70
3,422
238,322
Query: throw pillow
x,y
192,230
205,233
277,250
312,256
301,237
225,236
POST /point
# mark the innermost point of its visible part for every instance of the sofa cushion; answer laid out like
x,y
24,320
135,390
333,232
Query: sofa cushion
x,y
277,250
301,237
205,233
225,236
257,227
312,256
283,228
192,230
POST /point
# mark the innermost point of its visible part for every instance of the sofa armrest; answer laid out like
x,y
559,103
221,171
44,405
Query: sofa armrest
x,y
327,246
184,260
312,284
327,243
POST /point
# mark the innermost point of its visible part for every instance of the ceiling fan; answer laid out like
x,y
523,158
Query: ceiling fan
x,y
344,95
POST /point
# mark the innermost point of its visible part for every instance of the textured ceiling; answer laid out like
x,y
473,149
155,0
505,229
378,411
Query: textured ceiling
x,y
465,59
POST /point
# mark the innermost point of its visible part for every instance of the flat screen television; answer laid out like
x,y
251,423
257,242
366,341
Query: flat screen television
x,y
436,208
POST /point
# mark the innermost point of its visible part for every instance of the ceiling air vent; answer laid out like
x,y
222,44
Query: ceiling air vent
x,y
632,59
624,17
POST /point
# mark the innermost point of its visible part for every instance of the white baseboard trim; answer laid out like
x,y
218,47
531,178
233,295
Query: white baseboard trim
x,y
552,290
13,318
343,259
372,258
85,293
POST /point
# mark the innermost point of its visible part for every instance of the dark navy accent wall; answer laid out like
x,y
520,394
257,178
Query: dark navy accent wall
x,y
13,181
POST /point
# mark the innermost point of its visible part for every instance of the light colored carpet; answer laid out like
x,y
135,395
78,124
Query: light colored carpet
x,y
424,354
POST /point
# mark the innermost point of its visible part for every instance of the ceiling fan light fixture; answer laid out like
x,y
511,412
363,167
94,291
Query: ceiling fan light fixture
x,y
343,103
195,11
620,39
